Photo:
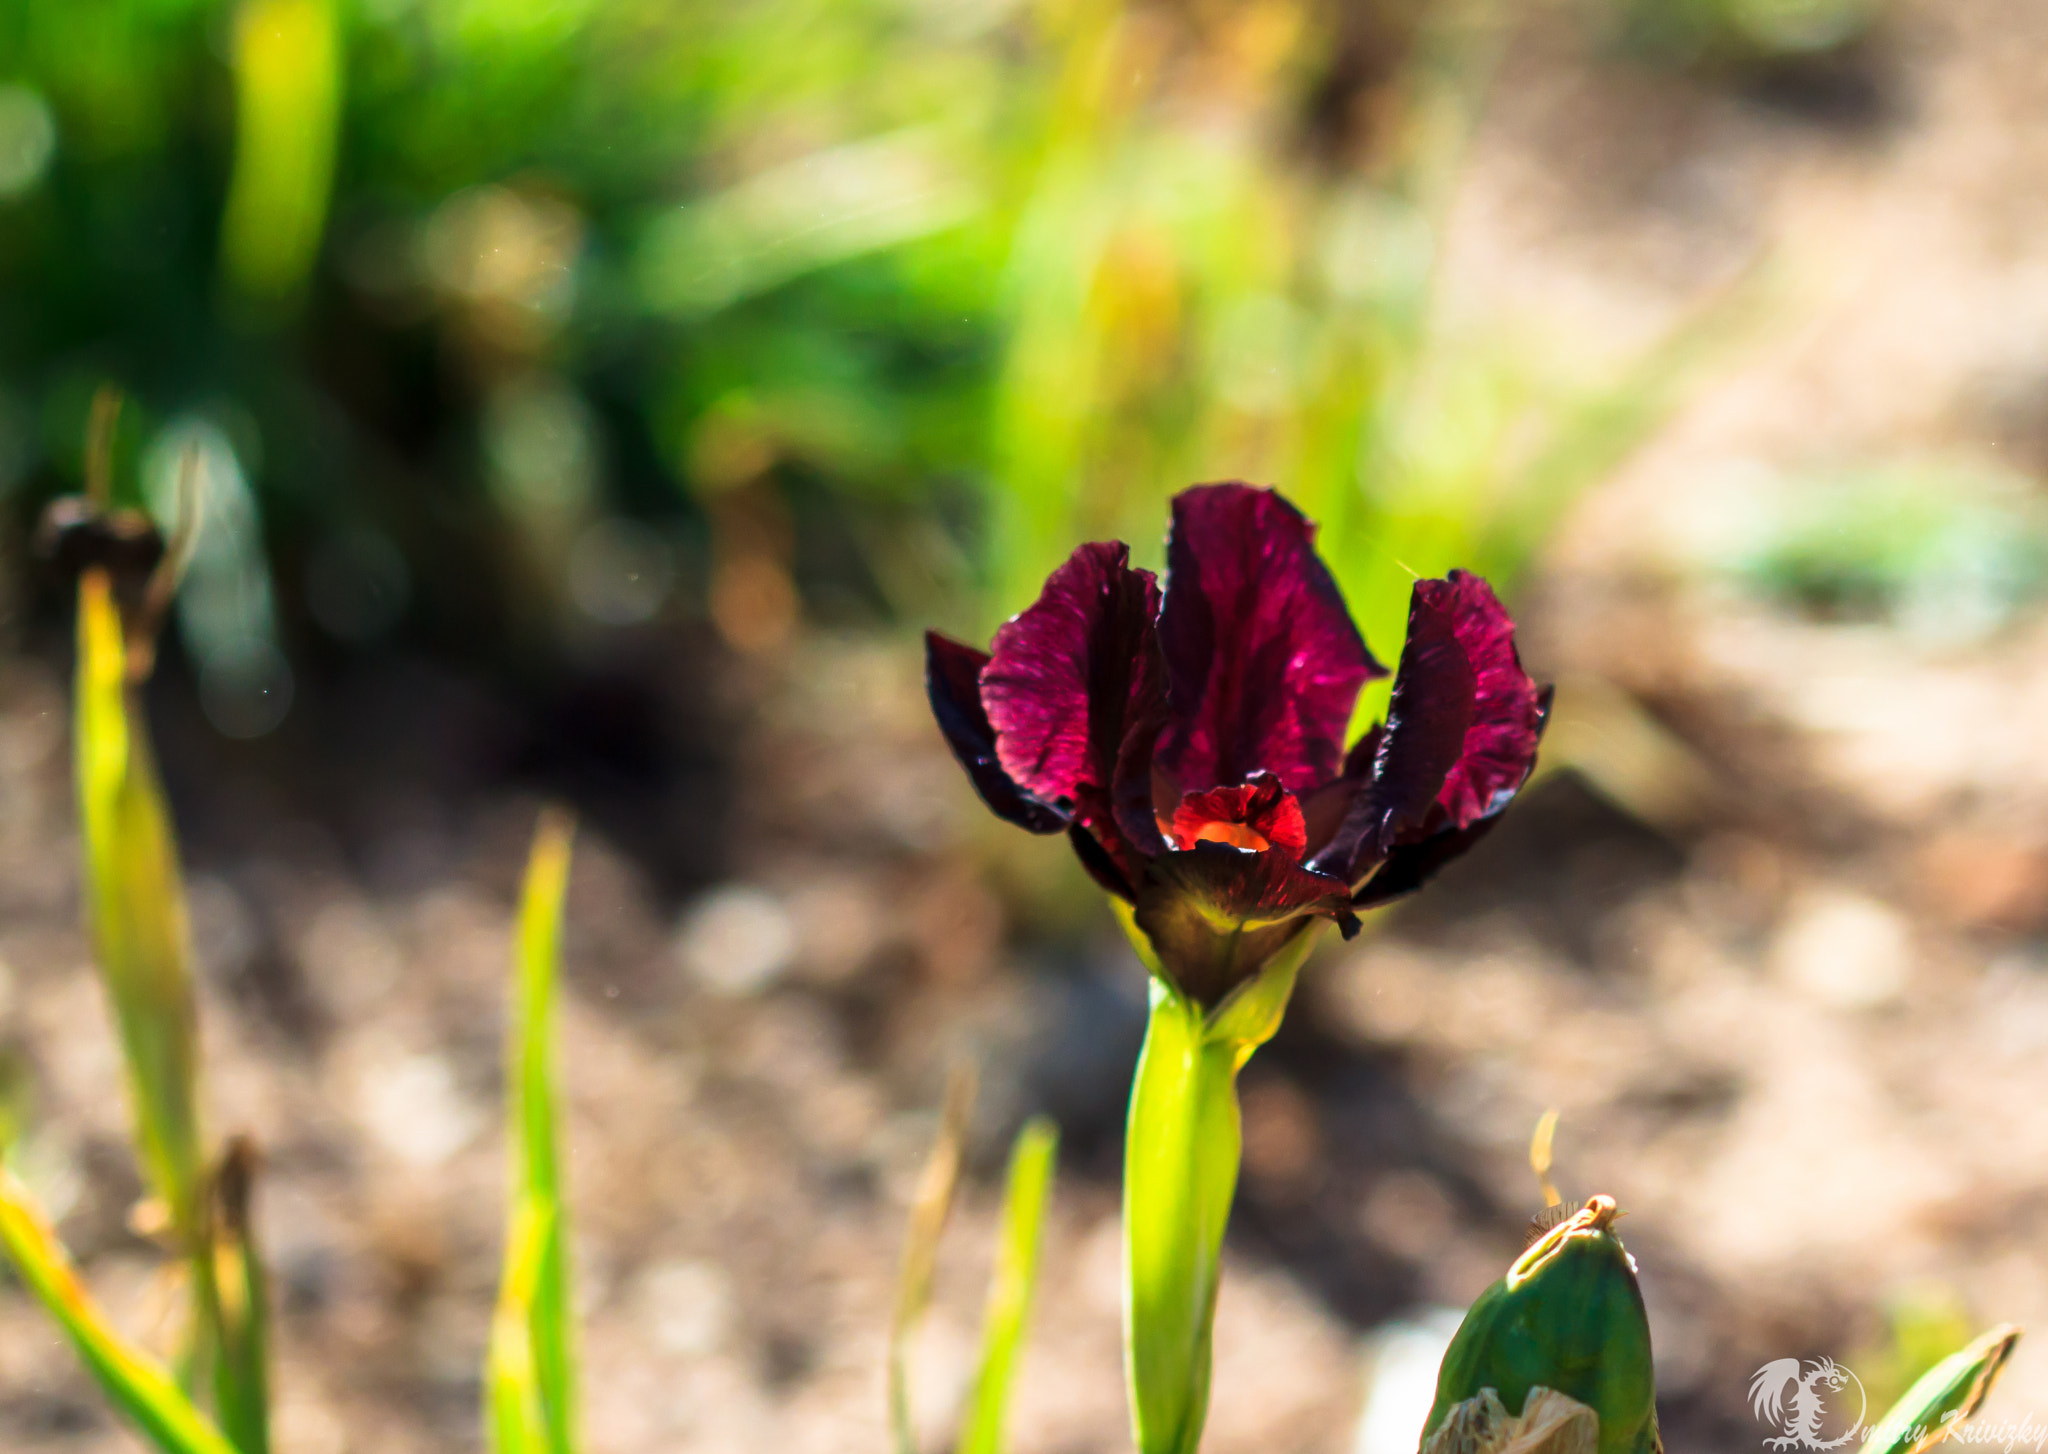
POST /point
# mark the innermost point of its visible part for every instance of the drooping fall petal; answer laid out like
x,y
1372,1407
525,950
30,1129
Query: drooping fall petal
x,y
1409,866
1264,661
1435,702
952,674
1076,692
1109,874
1461,731
1507,710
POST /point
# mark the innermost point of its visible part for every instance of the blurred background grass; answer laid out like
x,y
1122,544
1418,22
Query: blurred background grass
x,y
502,320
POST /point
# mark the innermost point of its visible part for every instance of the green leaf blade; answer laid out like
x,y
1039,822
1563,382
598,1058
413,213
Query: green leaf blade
x,y
1027,1191
137,1385
1944,1396
514,1403
550,1310
135,904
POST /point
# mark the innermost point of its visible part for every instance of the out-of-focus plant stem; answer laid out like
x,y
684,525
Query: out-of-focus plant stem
x,y
135,910
514,1414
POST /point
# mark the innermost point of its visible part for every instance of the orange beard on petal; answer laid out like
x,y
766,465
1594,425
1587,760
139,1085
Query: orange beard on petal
x,y
1237,835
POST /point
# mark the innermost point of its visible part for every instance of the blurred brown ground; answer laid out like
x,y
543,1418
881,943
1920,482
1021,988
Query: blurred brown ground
x,y
1773,934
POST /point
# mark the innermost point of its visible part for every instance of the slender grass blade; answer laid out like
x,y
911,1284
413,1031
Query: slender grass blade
x,y
1944,1396
136,911
536,1164
514,1407
138,1386
1025,1195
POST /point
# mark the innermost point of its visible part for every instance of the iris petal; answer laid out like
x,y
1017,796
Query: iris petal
x,y
1264,661
952,674
1076,691
1461,731
1508,709
1412,864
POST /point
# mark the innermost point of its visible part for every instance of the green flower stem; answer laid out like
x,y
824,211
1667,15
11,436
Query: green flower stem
x,y
1180,1173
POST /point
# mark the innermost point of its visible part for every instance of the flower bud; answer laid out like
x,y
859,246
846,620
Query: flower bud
x,y
1568,1316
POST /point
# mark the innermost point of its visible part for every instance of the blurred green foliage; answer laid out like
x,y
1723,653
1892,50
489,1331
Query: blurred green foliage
x,y
1744,34
1924,1323
870,307
1947,550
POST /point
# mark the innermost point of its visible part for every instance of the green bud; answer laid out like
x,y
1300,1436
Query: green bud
x,y
1568,1316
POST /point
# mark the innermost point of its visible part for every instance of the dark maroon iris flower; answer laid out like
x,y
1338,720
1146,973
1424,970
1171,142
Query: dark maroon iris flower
x,y
1191,742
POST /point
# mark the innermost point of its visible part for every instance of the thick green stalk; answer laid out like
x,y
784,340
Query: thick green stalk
x,y
1180,1173
1181,1155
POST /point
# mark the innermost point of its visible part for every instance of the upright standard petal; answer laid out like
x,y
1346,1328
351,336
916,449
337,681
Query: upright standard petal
x,y
1076,692
1262,656
952,680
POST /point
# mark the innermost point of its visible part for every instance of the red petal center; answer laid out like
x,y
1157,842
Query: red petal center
x,y
1253,816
